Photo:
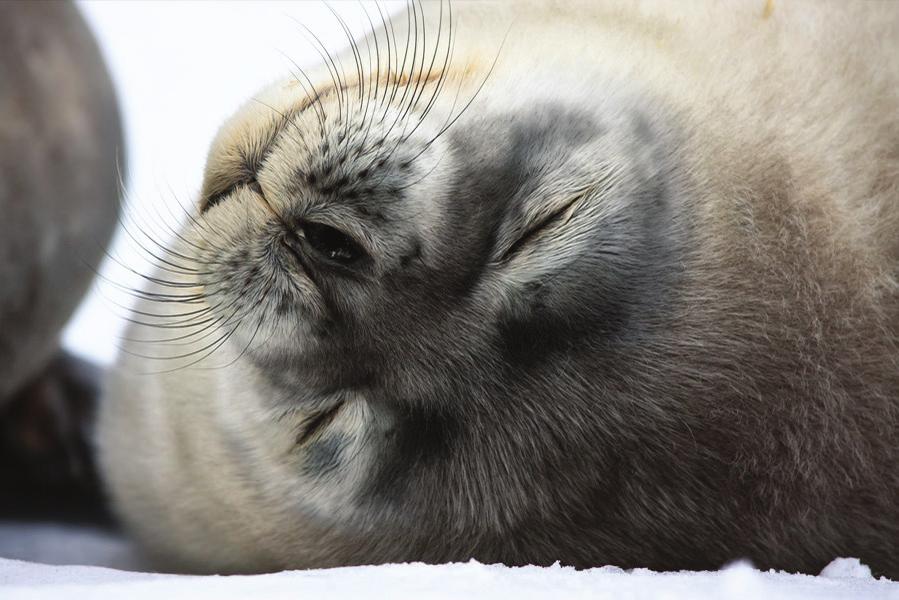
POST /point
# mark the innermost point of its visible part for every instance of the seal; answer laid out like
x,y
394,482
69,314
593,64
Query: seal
x,y
60,150
598,283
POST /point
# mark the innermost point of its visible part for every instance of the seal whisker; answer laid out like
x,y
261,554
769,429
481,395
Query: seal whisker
x,y
176,232
188,265
206,330
128,217
422,76
315,101
211,325
329,62
297,135
389,62
187,316
398,78
202,228
444,73
156,280
405,80
162,263
368,119
407,85
218,344
261,319
474,96
357,57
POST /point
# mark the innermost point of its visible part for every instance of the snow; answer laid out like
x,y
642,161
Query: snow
x,y
62,544
846,568
414,581
844,578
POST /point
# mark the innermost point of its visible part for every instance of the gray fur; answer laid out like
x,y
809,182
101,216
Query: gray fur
x,y
60,138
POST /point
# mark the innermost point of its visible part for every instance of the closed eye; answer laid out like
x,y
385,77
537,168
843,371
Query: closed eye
x,y
557,217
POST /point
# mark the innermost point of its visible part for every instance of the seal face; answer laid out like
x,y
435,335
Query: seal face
x,y
555,320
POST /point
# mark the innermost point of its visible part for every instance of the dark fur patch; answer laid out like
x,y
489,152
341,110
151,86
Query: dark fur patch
x,y
324,455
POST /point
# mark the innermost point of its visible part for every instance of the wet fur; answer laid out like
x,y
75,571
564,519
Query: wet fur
x,y
636,306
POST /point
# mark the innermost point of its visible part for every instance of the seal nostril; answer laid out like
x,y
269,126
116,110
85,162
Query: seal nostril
x,y
214,199
217,197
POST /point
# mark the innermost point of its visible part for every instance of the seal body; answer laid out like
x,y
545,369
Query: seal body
x,y
59,189
619,289
60,147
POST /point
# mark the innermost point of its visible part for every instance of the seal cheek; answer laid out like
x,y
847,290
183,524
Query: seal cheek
x,y
527,339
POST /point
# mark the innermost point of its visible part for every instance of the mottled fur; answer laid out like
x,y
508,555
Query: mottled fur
x,y
636,306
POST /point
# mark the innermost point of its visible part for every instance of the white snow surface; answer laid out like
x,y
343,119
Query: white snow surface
x,y
416,580
844,578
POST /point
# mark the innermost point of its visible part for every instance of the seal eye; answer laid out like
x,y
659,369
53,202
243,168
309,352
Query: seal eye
x,y
332,243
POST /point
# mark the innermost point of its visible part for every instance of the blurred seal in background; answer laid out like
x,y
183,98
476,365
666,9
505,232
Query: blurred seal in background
x,y
60,153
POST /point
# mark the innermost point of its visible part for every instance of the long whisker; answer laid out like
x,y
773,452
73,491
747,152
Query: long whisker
x,y
177,269
316,102
354,48
329,62
376,76
476,93
444,72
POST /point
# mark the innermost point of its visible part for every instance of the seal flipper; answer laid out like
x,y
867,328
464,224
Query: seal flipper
x,y
47,466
